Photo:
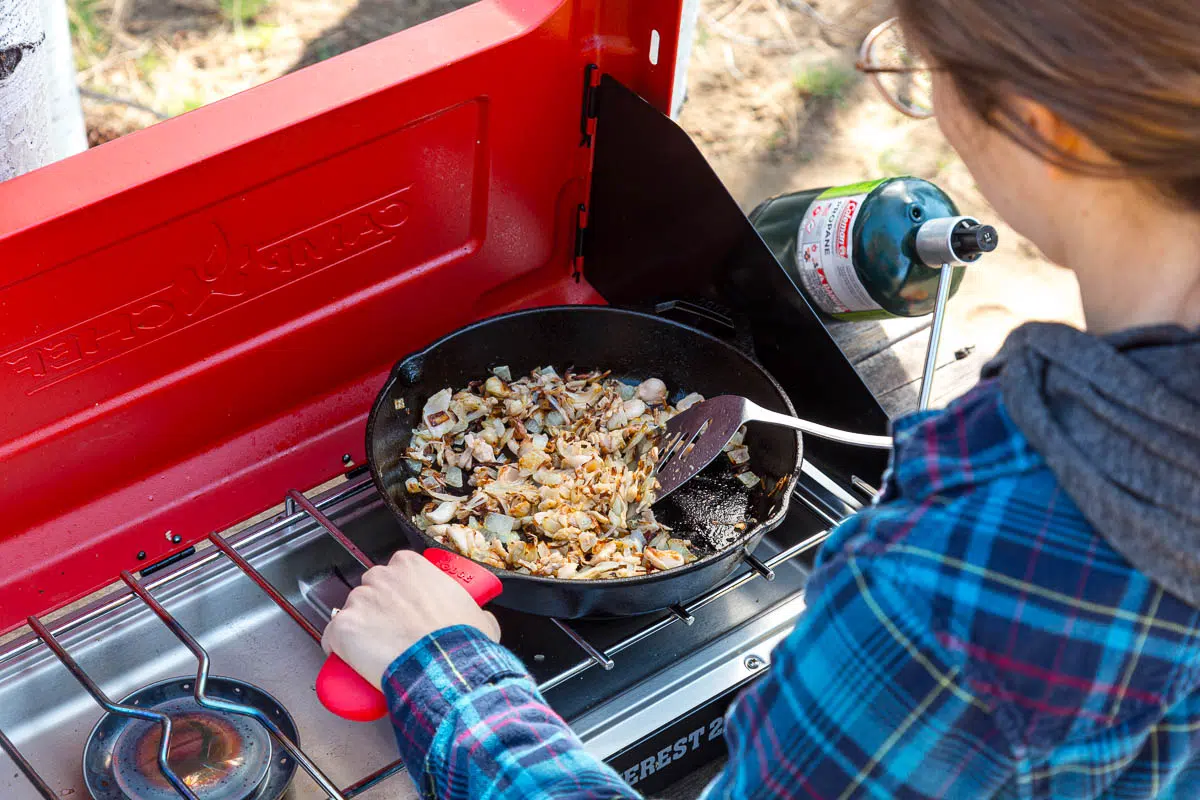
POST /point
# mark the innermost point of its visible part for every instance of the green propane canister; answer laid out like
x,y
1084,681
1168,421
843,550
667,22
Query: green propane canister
x,y
872,250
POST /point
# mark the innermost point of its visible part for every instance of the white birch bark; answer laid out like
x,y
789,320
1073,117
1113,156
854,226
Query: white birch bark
x,y
40,117
687,35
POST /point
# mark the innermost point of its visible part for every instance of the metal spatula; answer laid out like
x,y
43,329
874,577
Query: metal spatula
x,y
694,438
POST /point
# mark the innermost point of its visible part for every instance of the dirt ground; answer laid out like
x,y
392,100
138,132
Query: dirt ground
x,y
773,100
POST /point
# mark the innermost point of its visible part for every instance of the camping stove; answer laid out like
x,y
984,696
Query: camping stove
x,y
196,318
239,621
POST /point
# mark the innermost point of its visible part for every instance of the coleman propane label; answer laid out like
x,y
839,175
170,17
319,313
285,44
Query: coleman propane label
x,y
825,251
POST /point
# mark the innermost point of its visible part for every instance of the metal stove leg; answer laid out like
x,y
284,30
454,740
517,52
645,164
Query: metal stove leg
x,y
26,768
108,705
205,701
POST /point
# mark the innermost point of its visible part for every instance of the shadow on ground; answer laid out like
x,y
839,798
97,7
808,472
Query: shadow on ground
x,y
371,20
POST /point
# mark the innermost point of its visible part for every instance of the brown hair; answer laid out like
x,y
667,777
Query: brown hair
x,y
1126,75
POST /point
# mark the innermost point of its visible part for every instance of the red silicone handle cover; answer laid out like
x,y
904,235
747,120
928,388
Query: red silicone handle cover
x,y
480,583
347,694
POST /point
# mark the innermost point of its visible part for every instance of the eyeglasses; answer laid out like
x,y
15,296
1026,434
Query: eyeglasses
x,y
897,70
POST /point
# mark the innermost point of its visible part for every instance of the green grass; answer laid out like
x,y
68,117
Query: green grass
x,y
892,162
149,63
90,37
260,36
240,12
829,80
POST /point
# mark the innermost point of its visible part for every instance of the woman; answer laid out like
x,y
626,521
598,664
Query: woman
x,y
1019,614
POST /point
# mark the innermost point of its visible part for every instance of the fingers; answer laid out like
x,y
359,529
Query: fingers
x,y
402,557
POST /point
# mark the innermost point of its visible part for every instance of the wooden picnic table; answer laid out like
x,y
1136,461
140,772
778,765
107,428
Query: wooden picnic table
x,y
890,357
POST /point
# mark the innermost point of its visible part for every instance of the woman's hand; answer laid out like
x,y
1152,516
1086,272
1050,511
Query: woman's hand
x,y
395,607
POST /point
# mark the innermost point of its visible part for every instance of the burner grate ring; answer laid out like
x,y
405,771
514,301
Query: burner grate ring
x,y
219,755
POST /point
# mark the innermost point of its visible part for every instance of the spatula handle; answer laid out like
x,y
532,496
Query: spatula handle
x,y
347,694
757,413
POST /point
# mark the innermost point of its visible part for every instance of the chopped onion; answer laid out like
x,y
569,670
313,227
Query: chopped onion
x,y
443,513
495,387
689,401
634,408
548,477
736,440
749,479
740,455
461,537
652,392
534,475
437,414
498,523
507,538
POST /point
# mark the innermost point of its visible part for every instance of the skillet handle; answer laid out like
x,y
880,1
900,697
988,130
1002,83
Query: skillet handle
x,y
347,694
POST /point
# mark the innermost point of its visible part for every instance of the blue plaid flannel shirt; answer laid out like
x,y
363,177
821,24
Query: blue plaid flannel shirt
x,y
968,636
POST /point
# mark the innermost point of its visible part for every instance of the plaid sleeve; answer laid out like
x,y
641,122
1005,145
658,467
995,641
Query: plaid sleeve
x,y
861,701
470,723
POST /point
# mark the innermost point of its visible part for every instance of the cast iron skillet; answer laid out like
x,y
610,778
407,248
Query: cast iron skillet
x,y
635,346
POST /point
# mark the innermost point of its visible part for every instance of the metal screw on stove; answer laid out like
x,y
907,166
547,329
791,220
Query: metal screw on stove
x,y
754,663
347,460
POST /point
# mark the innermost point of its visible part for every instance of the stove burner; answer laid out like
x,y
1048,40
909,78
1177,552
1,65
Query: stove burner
x,y
219,755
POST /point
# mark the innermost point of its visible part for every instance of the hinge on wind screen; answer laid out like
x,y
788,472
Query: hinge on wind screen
x,y
581,221
587,122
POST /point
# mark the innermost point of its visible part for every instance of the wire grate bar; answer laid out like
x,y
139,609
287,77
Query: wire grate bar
x,y
598,658
245,566
255,536
164,722
201,685
815,507
373,780
764,572
334,530
26,768
680,613
602,658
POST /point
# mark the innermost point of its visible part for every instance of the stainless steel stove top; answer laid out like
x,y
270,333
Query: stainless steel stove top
x,y
627,686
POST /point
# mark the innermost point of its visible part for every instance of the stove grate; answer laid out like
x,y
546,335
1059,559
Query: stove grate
x,y
297,509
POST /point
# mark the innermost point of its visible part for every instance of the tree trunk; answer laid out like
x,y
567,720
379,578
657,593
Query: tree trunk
x,y
687,36
40,117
